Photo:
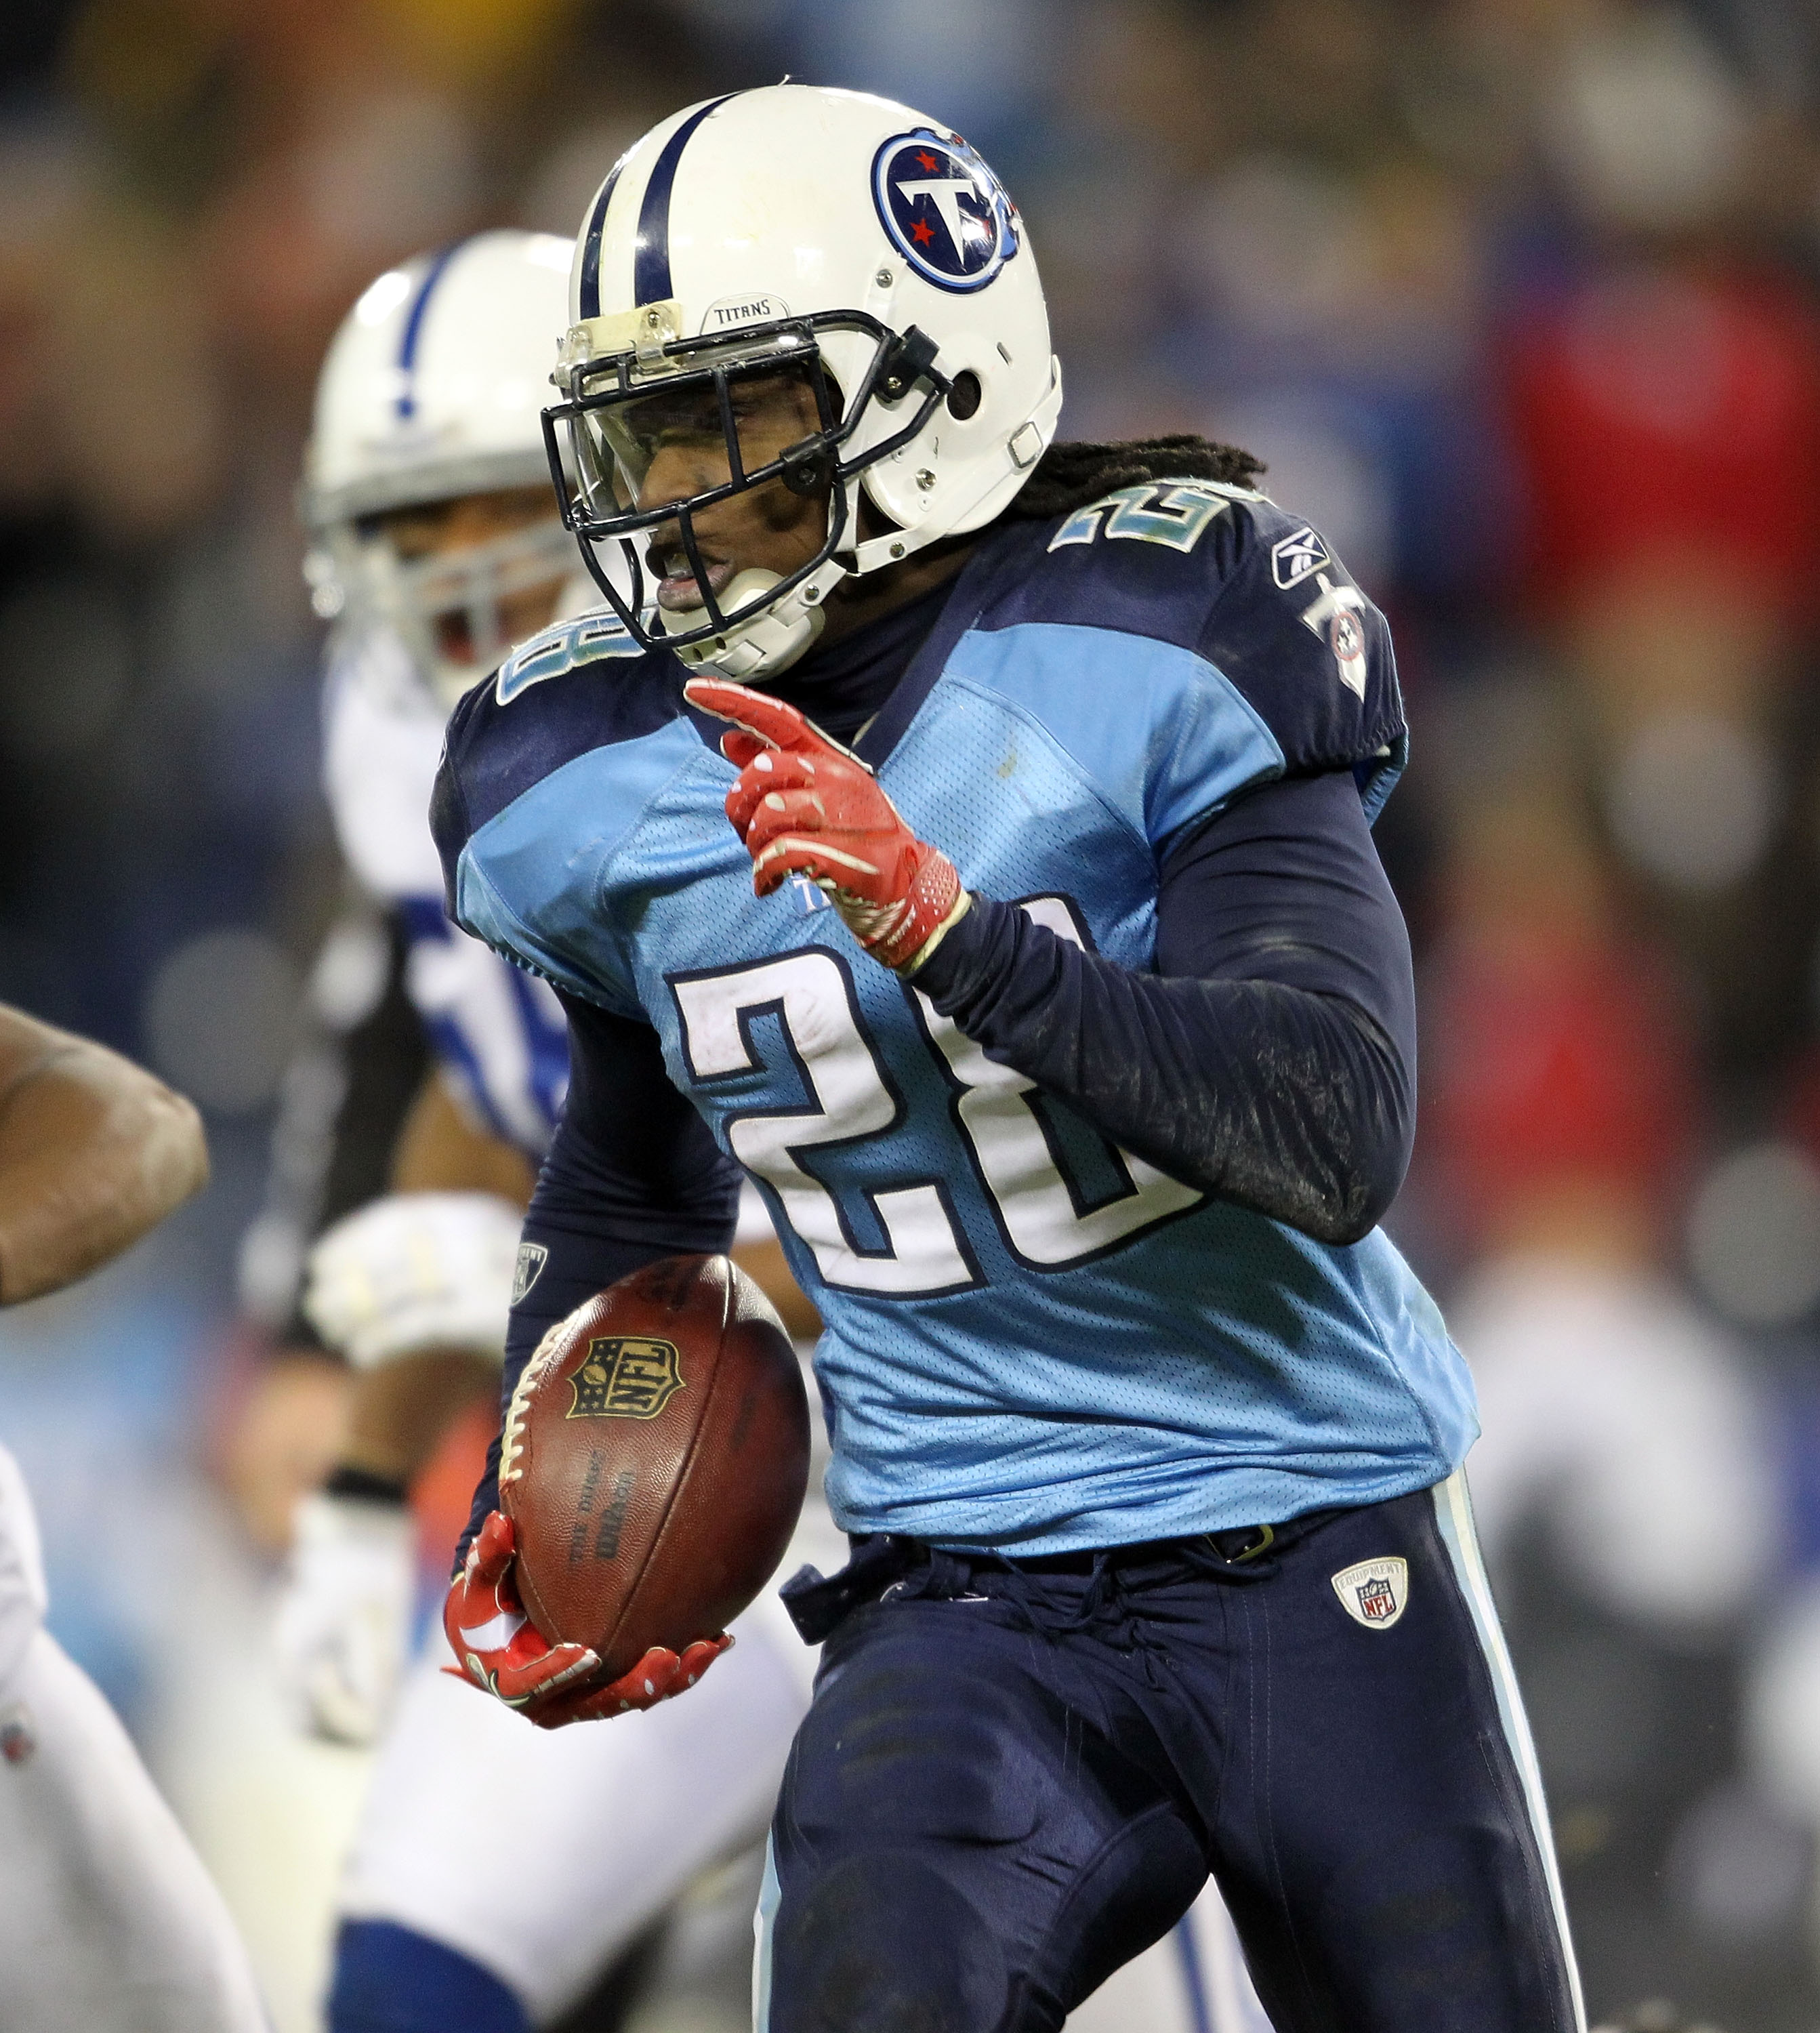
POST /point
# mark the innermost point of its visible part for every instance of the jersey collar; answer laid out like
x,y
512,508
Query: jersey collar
x,y
965,605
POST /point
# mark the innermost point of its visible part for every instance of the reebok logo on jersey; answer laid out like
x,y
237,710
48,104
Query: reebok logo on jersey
x,y
1374,1592
1295,557
532,1258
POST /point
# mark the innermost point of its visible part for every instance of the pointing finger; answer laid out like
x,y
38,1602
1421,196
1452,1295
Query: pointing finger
x,y
778,725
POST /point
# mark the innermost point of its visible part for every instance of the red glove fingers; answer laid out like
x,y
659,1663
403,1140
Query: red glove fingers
x,y
499,1646
794,850
803,806
771,773
503,1651
776,725
659,1676
784,843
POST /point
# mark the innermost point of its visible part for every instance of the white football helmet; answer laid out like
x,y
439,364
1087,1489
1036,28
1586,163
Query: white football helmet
x,y
433,389
841,240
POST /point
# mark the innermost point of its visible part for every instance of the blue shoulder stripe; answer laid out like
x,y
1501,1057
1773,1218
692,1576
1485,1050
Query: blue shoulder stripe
x,y
581,685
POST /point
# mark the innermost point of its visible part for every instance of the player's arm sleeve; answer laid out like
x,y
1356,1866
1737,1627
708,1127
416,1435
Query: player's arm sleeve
x,y
1271,1059
632,1174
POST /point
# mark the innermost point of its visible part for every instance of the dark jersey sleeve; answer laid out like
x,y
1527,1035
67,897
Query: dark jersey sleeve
x,y
1309,651
632,1174
1271,1058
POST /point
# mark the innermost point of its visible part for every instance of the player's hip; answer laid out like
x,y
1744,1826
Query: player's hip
x,y
1382,1605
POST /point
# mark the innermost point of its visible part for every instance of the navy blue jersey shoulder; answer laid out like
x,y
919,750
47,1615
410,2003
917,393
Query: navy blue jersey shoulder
x,y
1254,590
579,686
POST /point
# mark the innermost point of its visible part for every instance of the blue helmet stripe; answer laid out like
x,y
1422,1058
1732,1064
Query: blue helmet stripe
x,y
589,305
651,266
414,330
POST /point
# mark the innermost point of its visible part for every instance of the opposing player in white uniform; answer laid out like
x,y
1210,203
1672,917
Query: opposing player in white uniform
x,y
437,542
107,1920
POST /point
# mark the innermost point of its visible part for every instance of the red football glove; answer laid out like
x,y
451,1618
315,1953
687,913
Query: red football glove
x,y
504,1652
805,806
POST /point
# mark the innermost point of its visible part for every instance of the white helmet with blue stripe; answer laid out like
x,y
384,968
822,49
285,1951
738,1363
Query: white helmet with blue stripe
x,y
834,235
431,390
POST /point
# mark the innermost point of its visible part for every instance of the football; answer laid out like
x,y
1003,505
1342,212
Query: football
x,y
654,1460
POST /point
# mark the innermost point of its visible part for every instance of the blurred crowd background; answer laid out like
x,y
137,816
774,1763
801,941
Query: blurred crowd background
x,y
1517,299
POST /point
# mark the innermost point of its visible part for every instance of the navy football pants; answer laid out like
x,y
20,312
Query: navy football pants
x,y
1010,1783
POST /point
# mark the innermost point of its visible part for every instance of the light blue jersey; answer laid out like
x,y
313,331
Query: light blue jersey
x,y
1034,1341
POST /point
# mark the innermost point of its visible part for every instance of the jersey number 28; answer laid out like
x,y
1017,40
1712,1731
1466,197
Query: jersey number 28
x,y
1044,1214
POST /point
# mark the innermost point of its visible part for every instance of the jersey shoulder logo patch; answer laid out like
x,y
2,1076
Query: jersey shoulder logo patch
x,y
585,640
1294,557
1336,616
1374,1592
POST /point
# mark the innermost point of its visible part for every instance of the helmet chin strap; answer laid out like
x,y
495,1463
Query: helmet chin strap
x,y
772,640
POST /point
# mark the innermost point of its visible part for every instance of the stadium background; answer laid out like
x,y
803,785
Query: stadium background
x,y
1517,299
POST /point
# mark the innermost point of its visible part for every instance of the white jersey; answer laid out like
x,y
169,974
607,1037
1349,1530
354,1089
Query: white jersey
x,y
498,1035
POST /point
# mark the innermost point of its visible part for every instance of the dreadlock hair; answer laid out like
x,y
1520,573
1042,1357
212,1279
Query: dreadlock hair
x,y
1069,475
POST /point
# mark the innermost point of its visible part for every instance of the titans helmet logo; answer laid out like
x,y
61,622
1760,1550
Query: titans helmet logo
x,y
943,210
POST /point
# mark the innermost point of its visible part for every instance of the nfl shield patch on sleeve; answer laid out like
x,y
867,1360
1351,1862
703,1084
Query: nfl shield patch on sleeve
x,y
532,1258
1374,1592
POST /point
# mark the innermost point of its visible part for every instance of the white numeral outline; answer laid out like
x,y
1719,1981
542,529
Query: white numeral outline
x,y
1043,1218
810,992
1152,512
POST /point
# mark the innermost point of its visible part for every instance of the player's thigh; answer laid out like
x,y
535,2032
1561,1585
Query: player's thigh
x,y
107,1919
1380,1837
605,1821
1193,1981
961,1842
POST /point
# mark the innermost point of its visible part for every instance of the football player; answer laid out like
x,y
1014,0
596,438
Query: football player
x,y
107,1919
1013,921
437,543
433,389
